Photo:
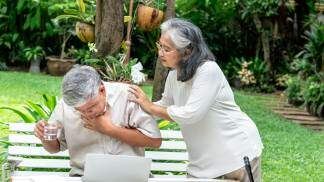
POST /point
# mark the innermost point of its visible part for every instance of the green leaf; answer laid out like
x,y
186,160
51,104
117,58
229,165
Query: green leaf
x,y
37,108
4,123
26,117
71,12
7,44
81,5
37,18
45,109
35,115
27,23
5,142
61,17
15,37
127,19
20,6
50,102
163,124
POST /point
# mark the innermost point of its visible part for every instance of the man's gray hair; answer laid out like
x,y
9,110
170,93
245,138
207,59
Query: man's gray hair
x,y
79,85
186,35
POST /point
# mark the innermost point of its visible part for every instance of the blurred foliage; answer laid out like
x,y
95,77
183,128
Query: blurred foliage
x,y
33,53
83,10
24,24
228,26
309,67
222,29
255,74
313,50
294,91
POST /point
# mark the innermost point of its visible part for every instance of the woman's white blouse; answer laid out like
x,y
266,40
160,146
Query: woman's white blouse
x,y
217,133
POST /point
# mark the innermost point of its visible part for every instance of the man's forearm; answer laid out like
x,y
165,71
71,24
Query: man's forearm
x,y
52,146
133,137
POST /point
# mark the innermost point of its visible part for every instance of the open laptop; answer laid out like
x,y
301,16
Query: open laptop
x,y
116,168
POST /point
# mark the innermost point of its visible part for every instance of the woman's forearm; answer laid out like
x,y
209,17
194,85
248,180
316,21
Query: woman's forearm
x,y
148,106
159,111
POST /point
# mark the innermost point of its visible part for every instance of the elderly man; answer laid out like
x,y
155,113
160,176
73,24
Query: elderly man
x,y
96,117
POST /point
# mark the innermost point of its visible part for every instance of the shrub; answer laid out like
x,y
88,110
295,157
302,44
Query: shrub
x,y
255,73
246,76
282,81
314,97
3,66
294,91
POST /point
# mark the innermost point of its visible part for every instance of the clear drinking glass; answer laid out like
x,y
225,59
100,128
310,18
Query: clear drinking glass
x,y
50,131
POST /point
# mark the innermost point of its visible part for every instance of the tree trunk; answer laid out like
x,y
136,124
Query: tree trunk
x,y
258,47
264,40
266,47
170,11
160,71
109,26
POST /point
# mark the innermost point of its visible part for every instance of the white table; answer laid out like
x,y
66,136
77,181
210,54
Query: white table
x,y
78,179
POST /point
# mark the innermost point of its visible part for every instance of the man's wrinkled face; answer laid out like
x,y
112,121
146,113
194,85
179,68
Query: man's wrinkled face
x,y
96,106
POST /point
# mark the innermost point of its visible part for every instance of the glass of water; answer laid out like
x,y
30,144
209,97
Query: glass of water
x,y
50,131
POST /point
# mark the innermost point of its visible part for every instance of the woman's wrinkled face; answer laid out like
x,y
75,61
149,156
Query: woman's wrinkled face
x,y
168,54
96,106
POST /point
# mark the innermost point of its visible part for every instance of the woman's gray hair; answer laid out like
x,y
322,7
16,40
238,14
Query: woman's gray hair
x,y
187,36
79,85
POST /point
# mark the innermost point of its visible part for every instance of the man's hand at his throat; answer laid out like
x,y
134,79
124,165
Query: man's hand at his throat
x,y
101,123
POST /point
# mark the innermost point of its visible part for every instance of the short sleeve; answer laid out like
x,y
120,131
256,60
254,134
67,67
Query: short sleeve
x,y
142,121
207,83
57,116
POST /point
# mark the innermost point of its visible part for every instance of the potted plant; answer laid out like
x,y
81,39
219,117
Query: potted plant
x,y
34,55
59,65
113,68
148,18
85,20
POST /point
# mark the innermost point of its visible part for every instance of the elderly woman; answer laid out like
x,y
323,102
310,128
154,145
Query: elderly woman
x,y
198,97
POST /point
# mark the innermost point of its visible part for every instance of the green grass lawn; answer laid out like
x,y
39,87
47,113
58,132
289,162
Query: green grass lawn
x,y
292,153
